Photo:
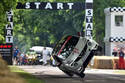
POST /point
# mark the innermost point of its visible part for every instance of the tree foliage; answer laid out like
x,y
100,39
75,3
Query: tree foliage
x,y
44,27
5,5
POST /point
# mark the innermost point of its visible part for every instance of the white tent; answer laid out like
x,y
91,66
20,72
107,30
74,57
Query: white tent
x,y
40,48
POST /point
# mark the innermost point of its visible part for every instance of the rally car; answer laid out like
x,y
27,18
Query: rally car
x,y
72,54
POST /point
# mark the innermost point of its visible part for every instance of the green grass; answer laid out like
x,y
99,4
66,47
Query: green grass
x,y
122,72
26,76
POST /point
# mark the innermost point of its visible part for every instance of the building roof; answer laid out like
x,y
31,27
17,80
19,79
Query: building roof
x,y
114,9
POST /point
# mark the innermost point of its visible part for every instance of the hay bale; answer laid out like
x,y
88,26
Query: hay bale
x,y
115,62
103,62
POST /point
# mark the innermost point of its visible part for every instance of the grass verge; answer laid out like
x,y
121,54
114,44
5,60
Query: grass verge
x,y
26,76
122,72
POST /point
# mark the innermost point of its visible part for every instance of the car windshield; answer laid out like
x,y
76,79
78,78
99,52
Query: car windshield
x,y
65,46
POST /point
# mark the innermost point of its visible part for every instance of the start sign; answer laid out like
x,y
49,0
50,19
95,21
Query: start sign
x,y
89,18
9,27
50,6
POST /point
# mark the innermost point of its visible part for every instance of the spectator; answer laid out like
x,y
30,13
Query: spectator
x,y
16,55
121,59
52,61
45,54
115,51
22,58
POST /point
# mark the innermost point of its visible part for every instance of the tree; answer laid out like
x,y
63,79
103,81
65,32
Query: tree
x,y
45,27
5,5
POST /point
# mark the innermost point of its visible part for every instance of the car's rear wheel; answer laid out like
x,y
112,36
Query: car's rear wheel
x,y
68,73
82,75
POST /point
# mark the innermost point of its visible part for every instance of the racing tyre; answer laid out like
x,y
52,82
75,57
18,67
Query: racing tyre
x,y
82,75
68,73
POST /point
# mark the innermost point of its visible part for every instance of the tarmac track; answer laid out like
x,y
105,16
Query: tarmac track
x,y
54,75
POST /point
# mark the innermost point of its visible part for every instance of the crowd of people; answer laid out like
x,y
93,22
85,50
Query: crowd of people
x,y
23,59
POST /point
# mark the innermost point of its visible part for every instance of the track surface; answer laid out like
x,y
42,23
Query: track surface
x,y
54,75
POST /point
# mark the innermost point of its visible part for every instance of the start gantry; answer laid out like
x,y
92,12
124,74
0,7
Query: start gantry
x,y
50,6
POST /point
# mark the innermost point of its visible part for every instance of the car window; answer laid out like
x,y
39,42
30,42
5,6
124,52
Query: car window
x,y
68,48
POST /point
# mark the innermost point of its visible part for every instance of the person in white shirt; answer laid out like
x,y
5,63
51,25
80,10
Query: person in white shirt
x,y
45,54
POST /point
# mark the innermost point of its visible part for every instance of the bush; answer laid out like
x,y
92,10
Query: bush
x,y
6,76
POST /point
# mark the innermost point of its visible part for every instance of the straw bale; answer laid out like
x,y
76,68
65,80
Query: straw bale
x,y
103,62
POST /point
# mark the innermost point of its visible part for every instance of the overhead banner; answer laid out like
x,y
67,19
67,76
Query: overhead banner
x,y
51,6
